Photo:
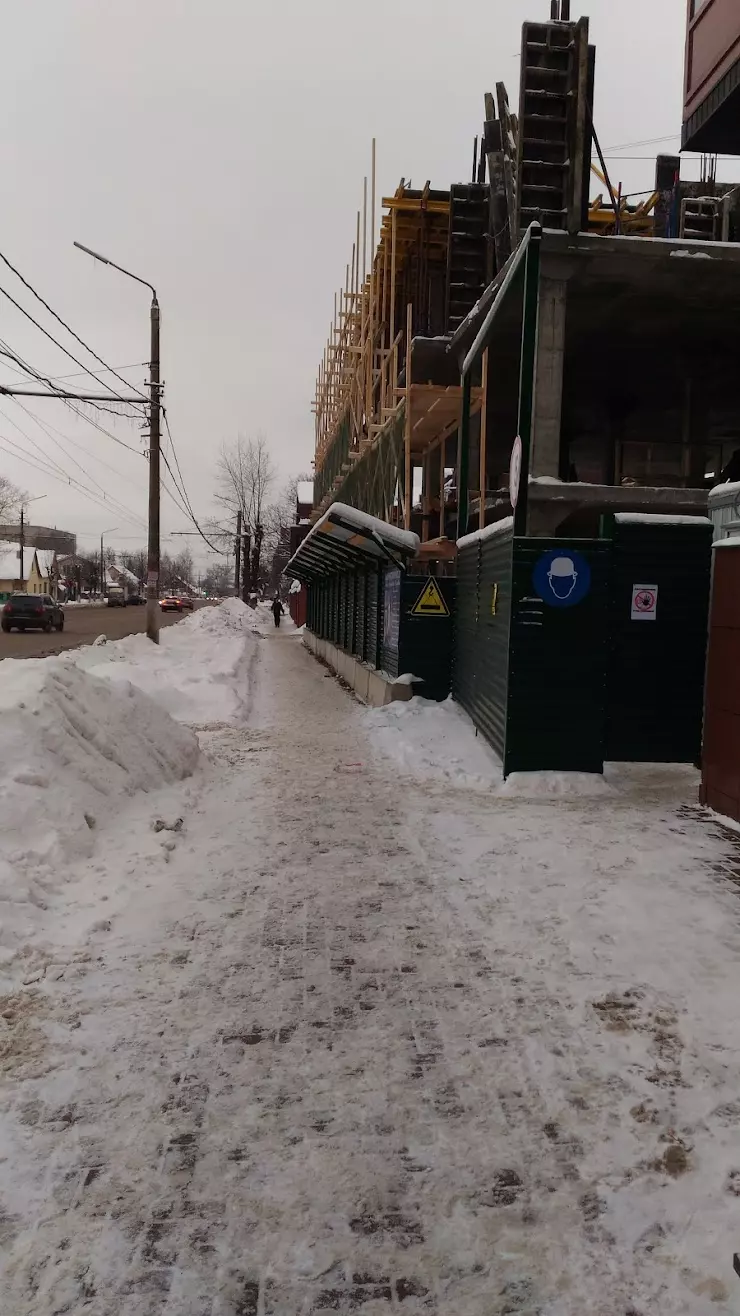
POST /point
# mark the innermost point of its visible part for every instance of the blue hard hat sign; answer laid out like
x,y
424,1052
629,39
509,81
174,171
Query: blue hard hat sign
x,y
562,578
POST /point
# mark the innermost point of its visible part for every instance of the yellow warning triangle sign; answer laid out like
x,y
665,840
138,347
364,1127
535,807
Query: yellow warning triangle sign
x,y
430,602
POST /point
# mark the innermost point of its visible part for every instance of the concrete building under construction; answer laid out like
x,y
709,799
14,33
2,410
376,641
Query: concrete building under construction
x,y
615,365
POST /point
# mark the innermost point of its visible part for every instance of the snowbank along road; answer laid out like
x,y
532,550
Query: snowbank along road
x,y
317,1022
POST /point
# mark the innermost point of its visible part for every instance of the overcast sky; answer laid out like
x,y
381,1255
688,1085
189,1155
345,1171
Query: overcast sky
x,y
217,148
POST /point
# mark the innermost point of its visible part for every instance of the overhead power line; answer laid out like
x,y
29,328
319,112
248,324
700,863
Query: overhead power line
x,y
70,405
62,348
63,478
63,323
186,509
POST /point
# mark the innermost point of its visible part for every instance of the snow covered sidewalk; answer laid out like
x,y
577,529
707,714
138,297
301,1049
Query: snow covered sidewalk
x,y
358,1042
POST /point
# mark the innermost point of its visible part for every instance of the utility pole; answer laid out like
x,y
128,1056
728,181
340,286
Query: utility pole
x,y
246,548
22,542
152,584
238,550
256,555
155,402
102,569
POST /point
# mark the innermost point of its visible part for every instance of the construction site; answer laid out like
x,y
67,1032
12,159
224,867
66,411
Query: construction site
x,y
531,379
619,377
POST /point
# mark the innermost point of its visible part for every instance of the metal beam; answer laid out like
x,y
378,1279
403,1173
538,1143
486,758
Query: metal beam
x,y
514,268
72,397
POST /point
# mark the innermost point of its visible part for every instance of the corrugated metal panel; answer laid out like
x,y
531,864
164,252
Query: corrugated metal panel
x,y
557,670
481,663
373,629
425,643
465,652
390,643
350,638
721,749
656,671
360,613
343,612
334,610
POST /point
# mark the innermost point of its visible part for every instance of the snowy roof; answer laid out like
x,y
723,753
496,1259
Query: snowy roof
x,y
123,573
45,558
724,495
344,537
647,518
10,565
304,492
498,528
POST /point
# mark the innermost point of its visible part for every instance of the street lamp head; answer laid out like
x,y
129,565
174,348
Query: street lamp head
x,y
106,261
95,255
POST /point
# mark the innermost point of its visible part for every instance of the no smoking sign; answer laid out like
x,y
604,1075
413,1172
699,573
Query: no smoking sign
x,y
644,602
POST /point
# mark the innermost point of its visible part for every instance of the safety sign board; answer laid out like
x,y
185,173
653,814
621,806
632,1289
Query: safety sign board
x,y
430,602
562,578
644,603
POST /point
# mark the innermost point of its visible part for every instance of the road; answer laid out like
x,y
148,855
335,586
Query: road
x,y
81,626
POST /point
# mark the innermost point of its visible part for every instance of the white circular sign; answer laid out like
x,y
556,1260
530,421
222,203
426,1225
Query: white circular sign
x,y
515,471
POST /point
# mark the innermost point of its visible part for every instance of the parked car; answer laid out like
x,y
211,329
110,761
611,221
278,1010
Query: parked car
x,y
26,612
186,601
170,604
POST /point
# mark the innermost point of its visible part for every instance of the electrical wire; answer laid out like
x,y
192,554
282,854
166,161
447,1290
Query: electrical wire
x,y
71,331
49,471
47,426
177,463
75,374
647,141
54,391
114,502
188,511
71,355
70,405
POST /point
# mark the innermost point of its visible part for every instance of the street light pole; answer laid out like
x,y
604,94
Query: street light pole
x,y
152,580
102,559
22,536
155,403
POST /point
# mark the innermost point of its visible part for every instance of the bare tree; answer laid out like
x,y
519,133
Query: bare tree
x,y
218,578
246,473
12,500
279,517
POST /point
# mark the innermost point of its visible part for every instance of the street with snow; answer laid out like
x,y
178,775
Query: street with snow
x,y
305,1010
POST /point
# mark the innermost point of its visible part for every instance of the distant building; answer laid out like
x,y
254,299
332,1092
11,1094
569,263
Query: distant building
x,y
304,500
303,509
39,568
10,570
43,573
711,116
62,542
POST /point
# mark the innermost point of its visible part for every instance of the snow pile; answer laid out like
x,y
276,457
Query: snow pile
x,y
232,617
433,742
194,671
72,749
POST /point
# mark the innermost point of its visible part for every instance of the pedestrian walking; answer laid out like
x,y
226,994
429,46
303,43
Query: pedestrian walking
x,y
277,610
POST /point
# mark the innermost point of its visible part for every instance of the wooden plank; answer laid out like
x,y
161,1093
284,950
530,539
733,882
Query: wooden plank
x,y
407,491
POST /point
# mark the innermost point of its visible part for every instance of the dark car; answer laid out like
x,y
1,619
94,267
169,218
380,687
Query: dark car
x,y
32,612
186,601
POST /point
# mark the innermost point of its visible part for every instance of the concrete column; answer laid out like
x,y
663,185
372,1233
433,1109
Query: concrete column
x,y
548,386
